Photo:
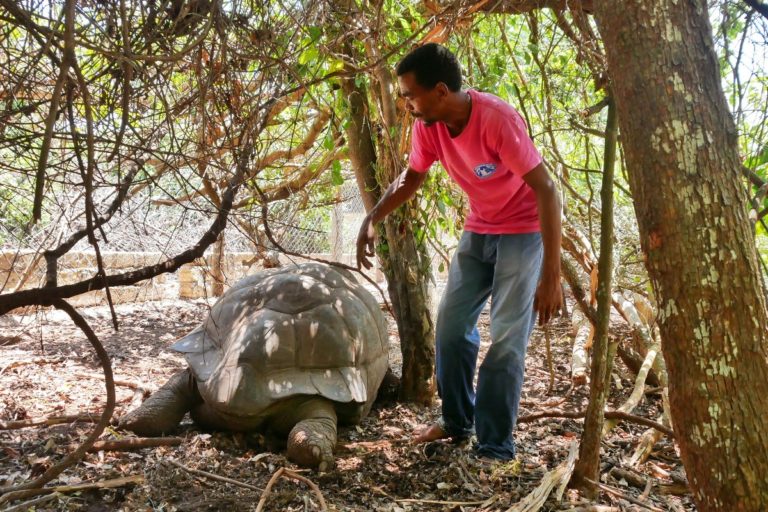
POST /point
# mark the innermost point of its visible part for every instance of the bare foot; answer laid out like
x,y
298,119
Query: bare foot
x,y
431,433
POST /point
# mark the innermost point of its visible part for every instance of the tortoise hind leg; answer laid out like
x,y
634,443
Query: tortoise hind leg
x,y
311,426
162,412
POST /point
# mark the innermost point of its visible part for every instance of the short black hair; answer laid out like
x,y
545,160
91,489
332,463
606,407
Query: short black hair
x,y
431,64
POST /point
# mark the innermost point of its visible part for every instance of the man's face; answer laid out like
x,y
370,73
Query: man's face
x,y
422,103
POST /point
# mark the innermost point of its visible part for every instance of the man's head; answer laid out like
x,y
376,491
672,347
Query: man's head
x,y
428,77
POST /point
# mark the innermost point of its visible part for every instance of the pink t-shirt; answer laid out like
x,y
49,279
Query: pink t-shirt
x,y
487,159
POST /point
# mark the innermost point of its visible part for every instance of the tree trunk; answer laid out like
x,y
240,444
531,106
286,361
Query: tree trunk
x,y
683,164
588,465
402,257
407,267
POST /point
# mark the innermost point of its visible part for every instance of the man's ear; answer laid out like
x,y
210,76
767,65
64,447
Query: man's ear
x,y
442,90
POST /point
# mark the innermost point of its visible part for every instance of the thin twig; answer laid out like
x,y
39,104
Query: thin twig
x,y
212,476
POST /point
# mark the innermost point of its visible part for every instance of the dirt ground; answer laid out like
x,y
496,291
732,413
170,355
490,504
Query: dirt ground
x,y
47,368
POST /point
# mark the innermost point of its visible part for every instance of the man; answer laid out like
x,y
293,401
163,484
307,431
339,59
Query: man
x,y
510,248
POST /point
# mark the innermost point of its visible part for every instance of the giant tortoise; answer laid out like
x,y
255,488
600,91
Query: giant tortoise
x,y
284,352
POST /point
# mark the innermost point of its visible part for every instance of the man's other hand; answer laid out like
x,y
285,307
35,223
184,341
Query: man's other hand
x,y
548,299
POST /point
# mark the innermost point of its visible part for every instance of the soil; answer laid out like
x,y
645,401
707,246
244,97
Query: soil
x,y
48,368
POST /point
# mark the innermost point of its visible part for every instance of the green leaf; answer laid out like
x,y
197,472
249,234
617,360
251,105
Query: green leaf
x,y
308,55
336,177
315,32
328,141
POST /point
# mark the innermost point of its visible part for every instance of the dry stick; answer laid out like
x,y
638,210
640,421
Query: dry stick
x,y
51,420
619,494
608,414
287,473
30,488
212,476
135,443
648,484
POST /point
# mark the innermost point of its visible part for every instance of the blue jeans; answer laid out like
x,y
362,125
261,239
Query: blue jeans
x,y
506,268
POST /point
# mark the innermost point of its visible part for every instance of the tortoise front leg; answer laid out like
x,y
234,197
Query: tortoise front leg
x,y
312,436
161,413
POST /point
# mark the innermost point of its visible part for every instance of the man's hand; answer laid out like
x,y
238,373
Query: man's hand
x,y
548,299
365,243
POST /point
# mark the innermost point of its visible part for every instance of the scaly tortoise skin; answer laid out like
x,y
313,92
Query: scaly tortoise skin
x,y
285,352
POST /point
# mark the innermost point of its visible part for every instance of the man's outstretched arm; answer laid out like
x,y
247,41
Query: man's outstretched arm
x,y
401,190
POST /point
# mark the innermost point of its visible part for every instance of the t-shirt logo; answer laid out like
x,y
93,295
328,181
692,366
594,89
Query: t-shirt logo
x,y
484,170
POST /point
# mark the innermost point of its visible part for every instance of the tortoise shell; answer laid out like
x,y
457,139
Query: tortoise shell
x,y
307,329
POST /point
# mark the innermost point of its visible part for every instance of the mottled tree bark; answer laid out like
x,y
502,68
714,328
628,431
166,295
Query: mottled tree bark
x,y
683,163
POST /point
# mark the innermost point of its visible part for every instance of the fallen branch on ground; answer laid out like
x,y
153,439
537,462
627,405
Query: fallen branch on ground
x,y
608,415
86,486
637,391
582,334
641,482
50,420
619,494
